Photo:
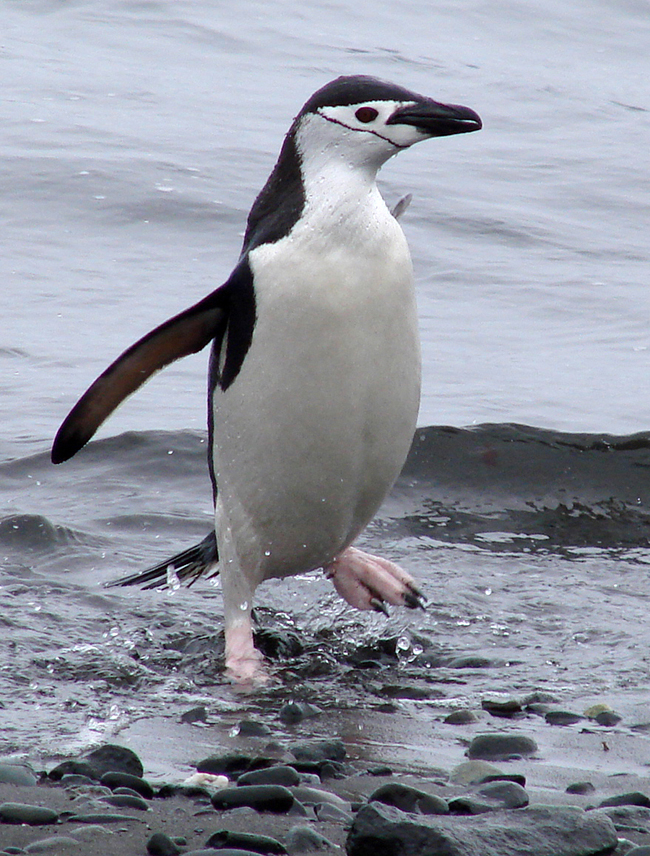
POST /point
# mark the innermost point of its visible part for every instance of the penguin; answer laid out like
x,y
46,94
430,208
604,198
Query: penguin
x,y
314,370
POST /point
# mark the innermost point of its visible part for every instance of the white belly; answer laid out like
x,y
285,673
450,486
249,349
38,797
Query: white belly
x,y
315,428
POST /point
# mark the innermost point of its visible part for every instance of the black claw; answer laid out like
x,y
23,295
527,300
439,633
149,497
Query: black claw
x,y
379,606
413,597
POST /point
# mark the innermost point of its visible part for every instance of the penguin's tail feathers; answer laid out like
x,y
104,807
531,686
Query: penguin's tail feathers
x,y
186,567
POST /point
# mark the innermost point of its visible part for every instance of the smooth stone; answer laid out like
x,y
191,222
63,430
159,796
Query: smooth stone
x,y
304,839
115,780
90,832
533,831
608,718
493,796
473,772
32,815
332,813
295,711
16,774
280,775
408,799
252,728
73,768
112,758
627,817
562,717
126,801
381,770
162,845
192,792
311,780
245,841
315,796
580,788
461,717
501,747
517,778
233,764
506,708
408,692
470,661
75,780
319,750
57,844
322,769
195,714
272,798
101,817
633,798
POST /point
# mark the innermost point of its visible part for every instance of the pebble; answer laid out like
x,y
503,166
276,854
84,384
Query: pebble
x,y
17,774
56,844
473,772
252,728
114,780
315,796
195,714
409,799
162,845
534,831
126,801
101,817
32,815
295,711
273,798
461,717
304,839
332,813
280,775
634,798
507,708
580,788
245,841
104,759
493,796
501,747
562,717
232,764
319,750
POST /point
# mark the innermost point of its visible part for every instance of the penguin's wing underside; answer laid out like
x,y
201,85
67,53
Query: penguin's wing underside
x,y
184,334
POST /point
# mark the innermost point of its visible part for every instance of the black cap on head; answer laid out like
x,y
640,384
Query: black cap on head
x,y
355,89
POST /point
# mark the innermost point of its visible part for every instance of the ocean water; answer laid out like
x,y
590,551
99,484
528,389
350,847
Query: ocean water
x,y
135,138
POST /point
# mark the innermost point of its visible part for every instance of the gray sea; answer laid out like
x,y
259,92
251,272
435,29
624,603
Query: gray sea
x,y
135,135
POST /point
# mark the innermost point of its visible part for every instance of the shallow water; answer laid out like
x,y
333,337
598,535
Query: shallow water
x,y
136,135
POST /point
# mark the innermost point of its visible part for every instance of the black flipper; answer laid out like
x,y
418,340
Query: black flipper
x,y
184,334
187,567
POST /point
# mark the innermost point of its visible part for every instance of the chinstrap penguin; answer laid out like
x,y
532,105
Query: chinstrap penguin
x,y
314,377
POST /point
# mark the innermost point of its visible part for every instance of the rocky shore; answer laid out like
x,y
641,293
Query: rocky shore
x,y
519,776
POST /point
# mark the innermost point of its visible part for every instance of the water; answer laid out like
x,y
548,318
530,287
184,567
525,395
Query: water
x,y
135,137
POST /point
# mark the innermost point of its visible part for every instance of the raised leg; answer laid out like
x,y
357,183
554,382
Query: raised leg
x,y
369,582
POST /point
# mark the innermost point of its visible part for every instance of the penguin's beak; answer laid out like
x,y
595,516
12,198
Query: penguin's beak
x,y
437,120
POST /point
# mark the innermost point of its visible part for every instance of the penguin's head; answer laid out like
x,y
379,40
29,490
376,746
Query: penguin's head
x,y
368,120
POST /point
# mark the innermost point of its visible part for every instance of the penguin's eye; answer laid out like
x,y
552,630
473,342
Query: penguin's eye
x,y
366,114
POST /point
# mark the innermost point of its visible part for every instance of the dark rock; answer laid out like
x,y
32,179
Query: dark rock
x,y
517,778
493,796
162,845
608,718
304,839
98,817
232,764
409,799
461,717
280,775
332,813
112,758
56,844
533,831
276,644
501,747
196,714
73,768
319,750
296,711
32,815
562,717
408,692
245,841
381,770
580,788
507,709
193,792
629,818
272,798
332,770
115,780
74,780
470,661
633,798
473,773
126,801
16,774
253,728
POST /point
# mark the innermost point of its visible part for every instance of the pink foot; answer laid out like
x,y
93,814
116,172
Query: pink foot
x,y
369,582
244,663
